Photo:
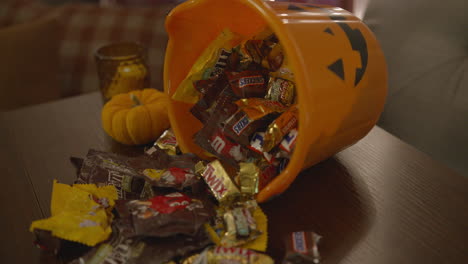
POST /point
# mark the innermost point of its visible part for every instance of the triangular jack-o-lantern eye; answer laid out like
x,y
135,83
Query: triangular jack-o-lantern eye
x,y
337,68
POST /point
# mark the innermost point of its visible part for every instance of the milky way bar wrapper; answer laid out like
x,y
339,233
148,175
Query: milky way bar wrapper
x,y
248,83
301,247
165,215
219,182
281,90
280,128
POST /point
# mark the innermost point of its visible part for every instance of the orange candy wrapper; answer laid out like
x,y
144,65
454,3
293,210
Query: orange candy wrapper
x,y
80,213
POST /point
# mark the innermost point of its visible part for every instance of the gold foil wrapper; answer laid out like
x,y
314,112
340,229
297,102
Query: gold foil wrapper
x,y
281,90
167,142
279,128
219,182
256,108
248,178
219,255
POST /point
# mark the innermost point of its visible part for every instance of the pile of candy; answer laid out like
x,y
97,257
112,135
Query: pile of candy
x,y
244,95
168,207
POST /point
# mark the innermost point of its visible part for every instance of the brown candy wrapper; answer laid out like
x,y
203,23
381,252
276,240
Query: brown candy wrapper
x,y
102,168
219,182
165,215
280,128
248,83
128,174
212,139
301,248
281,90
139,250
274,60
253,115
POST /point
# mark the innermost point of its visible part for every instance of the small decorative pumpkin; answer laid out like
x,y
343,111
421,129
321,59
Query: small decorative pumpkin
x,y
137,117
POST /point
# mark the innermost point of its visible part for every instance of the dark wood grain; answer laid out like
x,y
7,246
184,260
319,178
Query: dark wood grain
x,y
379,201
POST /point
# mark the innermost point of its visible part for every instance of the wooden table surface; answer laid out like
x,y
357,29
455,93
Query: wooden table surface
x,y
379,201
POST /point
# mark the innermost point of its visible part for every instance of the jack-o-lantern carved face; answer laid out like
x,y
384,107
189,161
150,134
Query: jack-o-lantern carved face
x,y
349,61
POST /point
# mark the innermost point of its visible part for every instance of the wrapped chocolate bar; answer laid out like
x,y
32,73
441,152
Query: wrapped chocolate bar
x,y
247,84
253,115
301,248
102,168
211,62
281,90
249,175
167,142
212,139
174,177
289,141
220,255
128,174
165,215
239,227
277,130
268,173
139,250
219,181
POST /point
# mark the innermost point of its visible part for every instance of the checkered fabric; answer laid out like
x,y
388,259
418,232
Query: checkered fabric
x,y
86,27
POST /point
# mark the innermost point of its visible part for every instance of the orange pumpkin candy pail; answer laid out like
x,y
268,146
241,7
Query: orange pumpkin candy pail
x,y
340,71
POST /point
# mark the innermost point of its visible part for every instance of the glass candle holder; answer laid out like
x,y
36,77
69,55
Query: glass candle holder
x,y
122,67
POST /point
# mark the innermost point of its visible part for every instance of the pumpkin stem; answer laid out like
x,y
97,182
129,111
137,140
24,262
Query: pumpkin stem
x,y
135,100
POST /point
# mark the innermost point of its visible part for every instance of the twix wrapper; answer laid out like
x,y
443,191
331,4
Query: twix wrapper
x,y
219,182
279,128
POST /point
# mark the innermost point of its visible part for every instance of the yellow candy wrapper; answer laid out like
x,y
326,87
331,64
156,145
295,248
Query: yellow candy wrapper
x,y
259,244
211,61
80,213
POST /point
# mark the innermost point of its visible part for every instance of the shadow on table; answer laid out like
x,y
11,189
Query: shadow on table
x,y
325,199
